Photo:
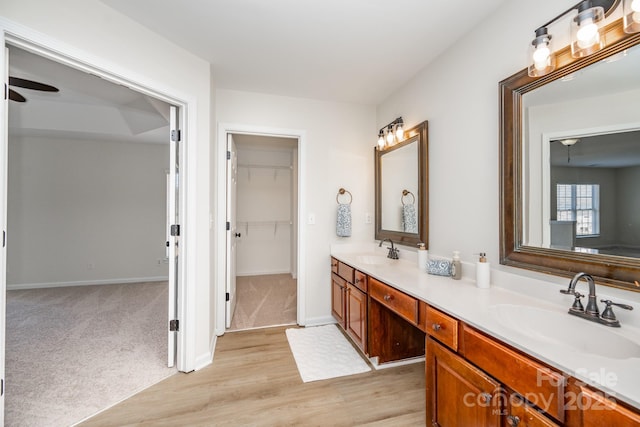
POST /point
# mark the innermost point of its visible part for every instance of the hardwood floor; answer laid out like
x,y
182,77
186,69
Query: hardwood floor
x,y
253,381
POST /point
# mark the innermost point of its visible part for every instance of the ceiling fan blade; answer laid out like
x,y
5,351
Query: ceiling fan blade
x,y
30,84
15,96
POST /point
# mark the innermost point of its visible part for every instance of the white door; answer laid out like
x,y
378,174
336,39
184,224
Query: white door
x,y
4,141
232,233
173,234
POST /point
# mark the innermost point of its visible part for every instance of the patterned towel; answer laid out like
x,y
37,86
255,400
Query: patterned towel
x,y
343,226
409,220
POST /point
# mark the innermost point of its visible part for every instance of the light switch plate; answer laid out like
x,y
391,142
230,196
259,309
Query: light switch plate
x,y
312,219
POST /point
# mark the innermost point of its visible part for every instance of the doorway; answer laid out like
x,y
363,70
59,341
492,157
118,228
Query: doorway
x,y
297,231
95,204
263,238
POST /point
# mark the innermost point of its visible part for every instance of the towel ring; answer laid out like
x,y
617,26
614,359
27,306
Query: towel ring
x,y
406,193
341,192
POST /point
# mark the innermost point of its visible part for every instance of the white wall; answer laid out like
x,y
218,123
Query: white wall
x,y
629,199
338,152
84,212
265,190
458,95
92,33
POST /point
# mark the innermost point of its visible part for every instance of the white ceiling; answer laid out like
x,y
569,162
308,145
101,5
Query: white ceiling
x,y
86,107
341,50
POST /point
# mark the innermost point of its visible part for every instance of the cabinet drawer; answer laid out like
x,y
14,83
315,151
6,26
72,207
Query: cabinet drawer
x,y
400,303
442,327
334,265
524,415
597,411
345,271
360,281
537,383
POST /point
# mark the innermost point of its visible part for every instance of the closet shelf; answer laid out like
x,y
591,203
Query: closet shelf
x,y
274,224
250,166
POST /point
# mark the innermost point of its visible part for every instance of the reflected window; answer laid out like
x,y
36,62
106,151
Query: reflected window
x,y
580,203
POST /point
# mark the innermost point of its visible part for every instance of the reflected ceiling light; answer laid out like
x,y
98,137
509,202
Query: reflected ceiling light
x,y
586,33
391,134
631,17
568,142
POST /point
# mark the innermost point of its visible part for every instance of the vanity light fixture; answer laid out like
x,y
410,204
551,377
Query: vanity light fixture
x,y
631,16
391,134
586,33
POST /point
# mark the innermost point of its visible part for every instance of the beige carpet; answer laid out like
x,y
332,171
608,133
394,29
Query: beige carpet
x,y
267,300
74,351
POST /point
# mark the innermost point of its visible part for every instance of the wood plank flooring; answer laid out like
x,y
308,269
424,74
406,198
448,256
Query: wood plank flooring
x,y
253,381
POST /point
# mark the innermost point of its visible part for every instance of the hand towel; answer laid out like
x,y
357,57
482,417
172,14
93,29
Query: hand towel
x,y
343,226
409,220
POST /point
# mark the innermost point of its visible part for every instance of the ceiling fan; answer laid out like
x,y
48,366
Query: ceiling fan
x,y
27,84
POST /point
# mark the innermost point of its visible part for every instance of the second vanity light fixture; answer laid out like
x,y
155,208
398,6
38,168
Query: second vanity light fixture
x,y
587,35
392,133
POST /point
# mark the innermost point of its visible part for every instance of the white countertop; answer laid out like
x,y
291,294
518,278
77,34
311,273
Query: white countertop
x,y
482,309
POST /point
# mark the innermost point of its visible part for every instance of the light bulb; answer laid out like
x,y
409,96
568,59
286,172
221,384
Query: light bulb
x,y
381,142
541,56
399,133
587,35
390,136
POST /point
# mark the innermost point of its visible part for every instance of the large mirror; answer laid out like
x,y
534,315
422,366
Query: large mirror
x,y
570,165
401,189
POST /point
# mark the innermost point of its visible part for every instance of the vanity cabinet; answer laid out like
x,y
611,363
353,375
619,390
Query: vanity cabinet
x,y
394,324
349,301
491,384
458,393
362,304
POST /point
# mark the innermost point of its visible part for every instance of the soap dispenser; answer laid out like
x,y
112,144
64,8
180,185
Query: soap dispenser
x,y
456,266
423,257
483,272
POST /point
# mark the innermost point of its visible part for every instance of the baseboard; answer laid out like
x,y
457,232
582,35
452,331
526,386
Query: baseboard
x,y
15,287
318,321
263,273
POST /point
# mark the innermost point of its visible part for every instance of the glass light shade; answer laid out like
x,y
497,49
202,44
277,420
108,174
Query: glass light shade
x,y
542,56
390,135
569,141
399,132
631,17
587,32
380,141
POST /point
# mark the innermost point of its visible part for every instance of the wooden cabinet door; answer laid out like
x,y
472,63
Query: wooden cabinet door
x,y
338,301
357,316
459,394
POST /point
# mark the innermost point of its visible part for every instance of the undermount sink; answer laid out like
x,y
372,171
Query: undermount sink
x,y
564,330
373,259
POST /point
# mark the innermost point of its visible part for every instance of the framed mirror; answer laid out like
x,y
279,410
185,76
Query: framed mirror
x,y
569,148
401,183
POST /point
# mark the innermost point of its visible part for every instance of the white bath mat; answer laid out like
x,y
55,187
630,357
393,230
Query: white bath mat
x,y
322,352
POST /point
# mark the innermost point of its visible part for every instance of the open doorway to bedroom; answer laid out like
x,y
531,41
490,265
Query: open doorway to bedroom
x,y
266,238
90,281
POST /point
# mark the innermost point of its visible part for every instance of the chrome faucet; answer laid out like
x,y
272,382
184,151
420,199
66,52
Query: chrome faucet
x,y
393,252
591,312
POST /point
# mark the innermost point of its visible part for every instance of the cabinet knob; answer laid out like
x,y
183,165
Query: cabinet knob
x,y
486,397
436,326
387,297
513,420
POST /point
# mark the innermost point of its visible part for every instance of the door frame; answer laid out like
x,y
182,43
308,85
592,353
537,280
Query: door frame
x,y
47,47
221,211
